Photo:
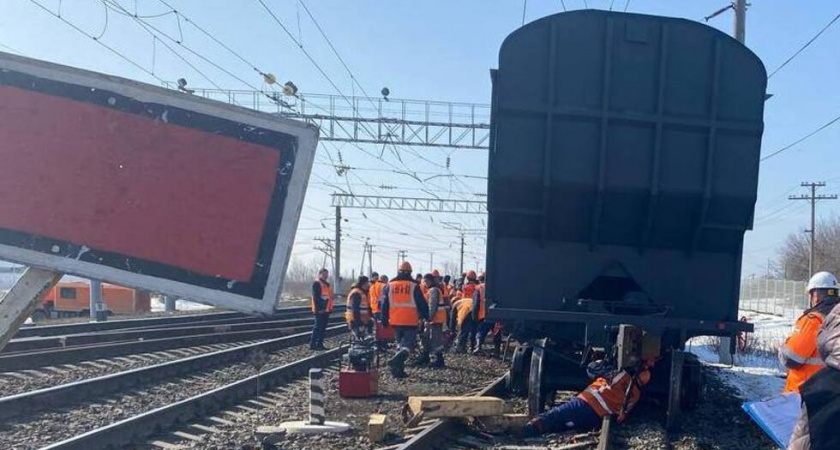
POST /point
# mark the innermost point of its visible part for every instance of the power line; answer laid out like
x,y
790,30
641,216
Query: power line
x,y
353,78
563,4
793,144
612,2
524,8
626,5
810,41
108,47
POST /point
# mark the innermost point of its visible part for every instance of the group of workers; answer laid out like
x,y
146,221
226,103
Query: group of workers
x,y
429,308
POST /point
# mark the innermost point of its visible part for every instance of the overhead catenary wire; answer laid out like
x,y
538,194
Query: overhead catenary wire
x,y
804,46
98,41
800,140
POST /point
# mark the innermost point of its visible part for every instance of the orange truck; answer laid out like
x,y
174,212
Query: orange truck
x,y
72,299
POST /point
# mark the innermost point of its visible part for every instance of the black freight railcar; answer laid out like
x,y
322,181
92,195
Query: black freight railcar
x,y
624,158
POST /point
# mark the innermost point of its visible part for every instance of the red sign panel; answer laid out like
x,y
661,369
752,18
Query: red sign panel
x,y
134,184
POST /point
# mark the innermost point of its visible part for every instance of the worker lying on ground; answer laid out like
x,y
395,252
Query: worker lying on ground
x,y
799,352
820,414
613,393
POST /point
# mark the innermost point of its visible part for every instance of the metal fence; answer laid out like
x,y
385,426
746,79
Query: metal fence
x,y
784,298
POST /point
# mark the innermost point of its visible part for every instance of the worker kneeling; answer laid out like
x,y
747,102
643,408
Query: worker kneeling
x,y
403,306
358,315
613,393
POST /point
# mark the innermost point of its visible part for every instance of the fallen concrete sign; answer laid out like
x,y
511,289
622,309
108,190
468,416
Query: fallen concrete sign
x,y
115,180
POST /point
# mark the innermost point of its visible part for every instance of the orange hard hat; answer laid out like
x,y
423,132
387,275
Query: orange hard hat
x,y
471,275
436,273
405,266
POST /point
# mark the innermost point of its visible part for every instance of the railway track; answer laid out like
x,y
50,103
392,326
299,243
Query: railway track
x,y
187,413
23,360
66,394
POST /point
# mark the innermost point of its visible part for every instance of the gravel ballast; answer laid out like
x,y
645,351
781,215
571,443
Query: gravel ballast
x,y
464,374
37,430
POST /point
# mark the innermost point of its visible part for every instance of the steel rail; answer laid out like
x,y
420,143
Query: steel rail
x,y
134,429
17,346
443,429
52,397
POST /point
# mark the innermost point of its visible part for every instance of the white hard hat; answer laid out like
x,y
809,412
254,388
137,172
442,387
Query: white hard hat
x,y
822,280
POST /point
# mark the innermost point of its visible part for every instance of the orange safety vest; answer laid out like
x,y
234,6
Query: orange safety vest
x,y
607,397
463,308
468,290
364,306
801,347
402,309
375,292
326,295
445,290
482,303
443,307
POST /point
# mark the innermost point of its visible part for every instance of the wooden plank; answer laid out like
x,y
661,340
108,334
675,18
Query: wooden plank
x,y
433,407
22,300
377,427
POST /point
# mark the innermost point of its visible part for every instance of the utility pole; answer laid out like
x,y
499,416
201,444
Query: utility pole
x,y
364,255
370,258
812,197
740,7
462,252
401,255
431,262
337,262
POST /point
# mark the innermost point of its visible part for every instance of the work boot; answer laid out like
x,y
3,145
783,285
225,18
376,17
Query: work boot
x,y
423,359
397,363
439,363
497,351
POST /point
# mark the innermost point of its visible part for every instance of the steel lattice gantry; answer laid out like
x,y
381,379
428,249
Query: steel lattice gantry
x,y
373,120
409,204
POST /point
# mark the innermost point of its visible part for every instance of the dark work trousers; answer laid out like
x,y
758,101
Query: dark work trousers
x,y
406,337
319,329
466,334
484,327
575,415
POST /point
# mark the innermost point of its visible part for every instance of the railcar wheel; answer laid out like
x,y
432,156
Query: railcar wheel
x,y
537,380
520,365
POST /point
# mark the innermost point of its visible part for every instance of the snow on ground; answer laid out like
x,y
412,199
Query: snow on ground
x,y
756,373
180,305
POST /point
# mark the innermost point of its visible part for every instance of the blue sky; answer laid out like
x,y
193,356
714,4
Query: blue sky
x,y
440,50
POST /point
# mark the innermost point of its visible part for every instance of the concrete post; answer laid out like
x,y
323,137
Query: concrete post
x,y
316,397
169,303
97,305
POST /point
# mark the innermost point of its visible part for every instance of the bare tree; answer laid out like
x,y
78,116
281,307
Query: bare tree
x,y
299,277
450,268
792,262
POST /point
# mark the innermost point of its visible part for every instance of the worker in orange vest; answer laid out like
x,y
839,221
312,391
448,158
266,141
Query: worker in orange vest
x,y
468,291
373,296
461,320
403,306
438,313
322,305
479,312
612,393
799,353
357,314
